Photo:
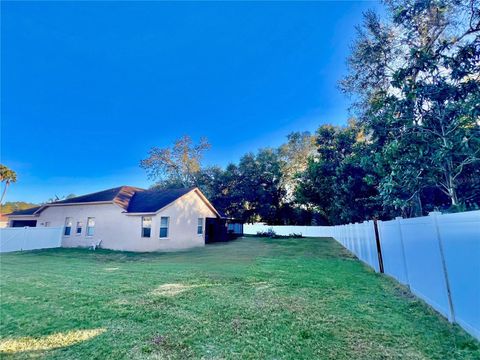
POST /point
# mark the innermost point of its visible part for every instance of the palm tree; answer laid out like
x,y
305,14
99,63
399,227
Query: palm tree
x,y
7,176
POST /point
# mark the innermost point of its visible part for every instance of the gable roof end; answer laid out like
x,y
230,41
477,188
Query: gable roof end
x,y
149,201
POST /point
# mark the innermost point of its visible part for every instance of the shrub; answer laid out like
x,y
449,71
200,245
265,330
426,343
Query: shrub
x,y
295,236
269,233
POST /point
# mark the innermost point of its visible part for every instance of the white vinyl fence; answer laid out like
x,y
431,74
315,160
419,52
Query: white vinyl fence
x,y
29,238
307,231
436,256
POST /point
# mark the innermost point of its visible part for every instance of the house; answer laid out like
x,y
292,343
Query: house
x,y
131,219
3,221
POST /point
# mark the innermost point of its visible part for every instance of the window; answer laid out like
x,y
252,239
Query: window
x,y
90,226
146,226
200,226
78,230
68,226
164,220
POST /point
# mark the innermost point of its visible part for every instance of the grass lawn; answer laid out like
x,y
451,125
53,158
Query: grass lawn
x,y
252,298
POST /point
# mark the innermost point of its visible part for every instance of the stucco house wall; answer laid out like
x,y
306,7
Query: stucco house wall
x,y
3,221
182,233
110,223
119,230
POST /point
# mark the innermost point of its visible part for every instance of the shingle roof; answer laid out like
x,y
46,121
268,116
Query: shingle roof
x,y
153,200
120,195
25,211
129,198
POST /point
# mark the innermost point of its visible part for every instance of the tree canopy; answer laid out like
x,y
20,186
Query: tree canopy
x,y
7,176
415,79
176,166
414,145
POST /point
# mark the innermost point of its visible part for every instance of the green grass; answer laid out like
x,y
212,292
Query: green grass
x,y
252,298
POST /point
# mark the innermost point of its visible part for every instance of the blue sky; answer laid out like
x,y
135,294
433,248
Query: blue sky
x,y
88,88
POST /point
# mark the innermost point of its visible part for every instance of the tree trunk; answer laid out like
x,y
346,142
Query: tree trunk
x,y
418,208
451,185
4,191
452,192
414,208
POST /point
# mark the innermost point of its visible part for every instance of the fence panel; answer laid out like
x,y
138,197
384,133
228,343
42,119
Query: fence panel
x,y
29,238
460,236
285,230
392,250
371,244
357,245
348,236
424,262
364,245
316,231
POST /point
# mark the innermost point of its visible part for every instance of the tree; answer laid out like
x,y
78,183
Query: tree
x,y
316,186
178,166
339,182
294,155
260,185
7,176
60,198
222,188
252,190
9,207
416,84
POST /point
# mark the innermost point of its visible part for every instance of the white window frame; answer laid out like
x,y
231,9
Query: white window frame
x,y
68,220
200,226
164,227
88,227
145,227
79,226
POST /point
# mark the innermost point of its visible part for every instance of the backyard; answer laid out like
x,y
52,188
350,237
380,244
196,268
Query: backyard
x,y
250,298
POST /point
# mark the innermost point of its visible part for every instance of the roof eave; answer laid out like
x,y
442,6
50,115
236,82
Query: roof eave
x,y
21,215
81,203
43,207
139,213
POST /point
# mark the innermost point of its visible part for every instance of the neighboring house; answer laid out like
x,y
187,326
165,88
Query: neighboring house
x,y
3,221
131,219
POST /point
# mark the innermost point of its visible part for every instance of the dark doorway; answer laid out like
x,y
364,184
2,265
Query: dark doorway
x,y
215,230
23,223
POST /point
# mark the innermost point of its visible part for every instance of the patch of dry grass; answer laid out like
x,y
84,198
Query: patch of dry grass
x,y
48,342
172,289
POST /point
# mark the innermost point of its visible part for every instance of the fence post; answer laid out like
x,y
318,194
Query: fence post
x,y
379,247
434,215
359,242
404,257
24,238
347,237
353,239
366,246
350,238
